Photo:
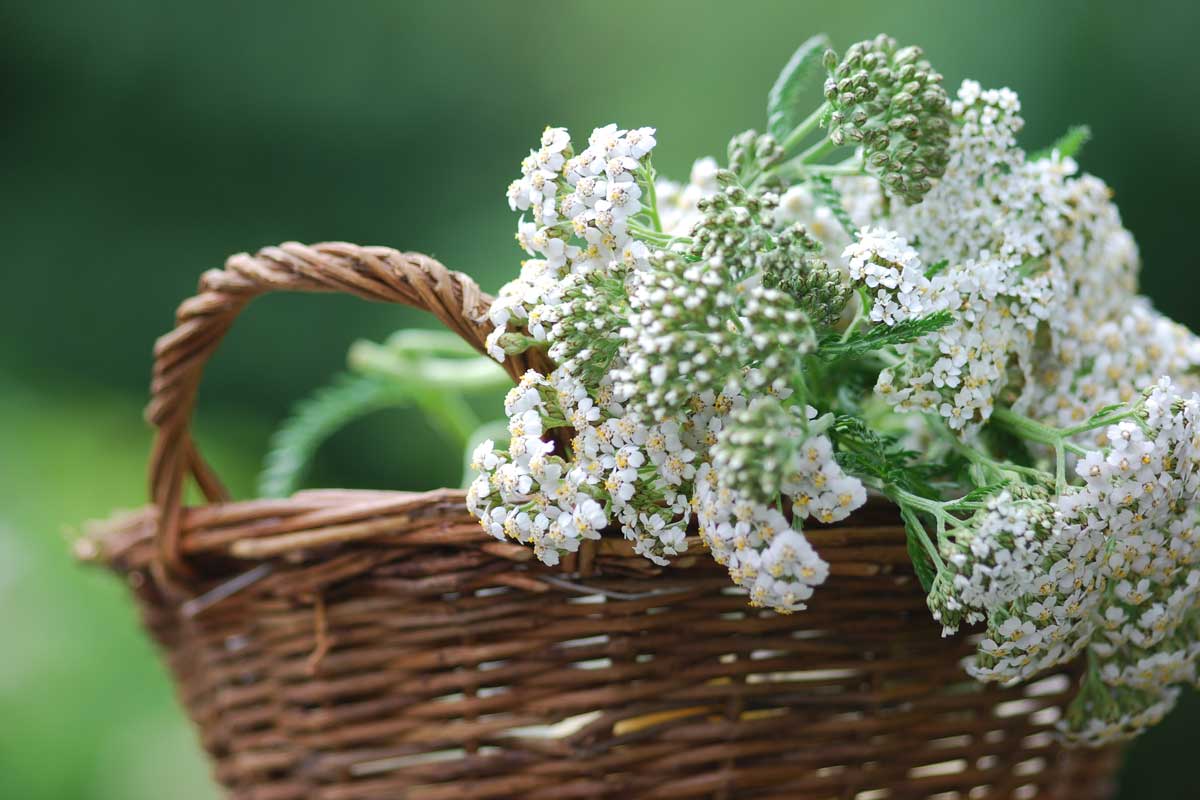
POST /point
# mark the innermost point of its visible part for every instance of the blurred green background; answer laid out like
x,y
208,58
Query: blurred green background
x,y
144,141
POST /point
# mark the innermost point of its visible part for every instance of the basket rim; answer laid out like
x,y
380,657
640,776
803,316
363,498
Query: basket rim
x,y
372,273
229,539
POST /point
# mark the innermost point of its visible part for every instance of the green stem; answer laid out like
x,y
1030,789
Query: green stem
x,y
473,374
851,166
800,387
1034,431
651,197
935,508
807,126
1101,422
796,170
450,413
975,456
817,151
655,236
1026,428
915,524
860,313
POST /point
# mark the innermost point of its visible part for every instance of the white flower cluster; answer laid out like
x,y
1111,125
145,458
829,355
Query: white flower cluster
x,y
1038,585
654,353
1104,361
678,205
1000,557
767,449
1040,275
1025,246
1108,565
764,554
698,328
647,480
958,371
963,226
882,261
621,472
977,205
581,206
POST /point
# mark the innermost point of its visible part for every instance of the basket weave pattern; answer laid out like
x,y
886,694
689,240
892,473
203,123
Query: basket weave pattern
x,y
349,645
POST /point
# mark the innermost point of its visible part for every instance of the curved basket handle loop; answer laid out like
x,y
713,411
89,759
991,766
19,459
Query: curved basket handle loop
x,y
373,273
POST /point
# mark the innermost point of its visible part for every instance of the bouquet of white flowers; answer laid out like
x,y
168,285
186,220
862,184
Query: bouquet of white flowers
x,y
883,294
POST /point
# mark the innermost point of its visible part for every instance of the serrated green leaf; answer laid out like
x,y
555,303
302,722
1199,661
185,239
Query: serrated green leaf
x,y
1106,411
981,493
823,188
936,267
783,106
1069,145
865,452
832,346
315,419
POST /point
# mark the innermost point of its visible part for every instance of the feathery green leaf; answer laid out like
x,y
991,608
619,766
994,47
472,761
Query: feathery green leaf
x,y
1069,145
783,106
823,188
1107,411
876,337
317,417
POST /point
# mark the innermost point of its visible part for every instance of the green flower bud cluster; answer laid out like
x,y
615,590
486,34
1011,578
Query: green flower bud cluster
x,y
890,101
753,151
699,326
586,334
757,447
736,226
797,268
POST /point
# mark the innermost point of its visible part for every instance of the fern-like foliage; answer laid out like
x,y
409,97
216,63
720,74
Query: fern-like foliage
x,y
432,371
881,457
313,420
1069,145
823,188
876,337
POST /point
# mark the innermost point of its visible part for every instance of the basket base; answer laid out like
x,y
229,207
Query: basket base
x,y
422,665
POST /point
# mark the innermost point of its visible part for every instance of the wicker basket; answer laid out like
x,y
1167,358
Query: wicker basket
x,y
350,645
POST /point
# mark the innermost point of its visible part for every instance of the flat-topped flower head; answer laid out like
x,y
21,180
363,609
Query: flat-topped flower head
x,y
765,555
882,261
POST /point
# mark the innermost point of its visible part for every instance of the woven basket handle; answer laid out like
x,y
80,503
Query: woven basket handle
x,y
373,273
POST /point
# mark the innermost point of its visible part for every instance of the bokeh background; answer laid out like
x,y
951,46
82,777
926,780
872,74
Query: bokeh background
x,y
141,142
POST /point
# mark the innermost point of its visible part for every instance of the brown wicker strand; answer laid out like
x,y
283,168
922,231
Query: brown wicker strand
x,y
438,677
